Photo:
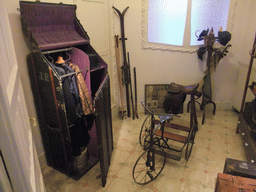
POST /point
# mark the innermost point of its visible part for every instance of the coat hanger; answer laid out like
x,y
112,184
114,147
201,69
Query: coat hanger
x,y
52,60
69,57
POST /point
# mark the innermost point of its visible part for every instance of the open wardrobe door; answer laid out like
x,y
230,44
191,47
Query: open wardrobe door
x,y
104,127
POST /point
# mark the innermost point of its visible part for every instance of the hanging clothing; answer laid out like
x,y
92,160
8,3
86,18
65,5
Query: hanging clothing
x,y
83,91
79,136
70,92
81,59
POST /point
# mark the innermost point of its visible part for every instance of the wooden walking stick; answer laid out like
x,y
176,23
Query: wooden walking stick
x,y
135,93
119,74
133,112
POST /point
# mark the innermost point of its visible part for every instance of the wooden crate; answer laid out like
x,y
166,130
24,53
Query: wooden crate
x,y
230,183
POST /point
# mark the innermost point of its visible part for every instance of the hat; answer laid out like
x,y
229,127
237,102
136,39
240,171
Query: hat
x,y
224,37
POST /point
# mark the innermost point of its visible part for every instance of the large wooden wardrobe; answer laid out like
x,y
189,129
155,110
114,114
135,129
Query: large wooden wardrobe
x,y
74,113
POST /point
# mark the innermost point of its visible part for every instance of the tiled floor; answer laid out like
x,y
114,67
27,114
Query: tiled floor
x,y
215,141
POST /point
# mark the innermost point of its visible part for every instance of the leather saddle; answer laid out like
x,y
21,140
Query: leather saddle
x,y
175,97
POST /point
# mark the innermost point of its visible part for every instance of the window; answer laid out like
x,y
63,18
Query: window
x,y
171,24
162,15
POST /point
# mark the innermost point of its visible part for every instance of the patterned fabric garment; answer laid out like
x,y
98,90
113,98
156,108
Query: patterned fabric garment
x,y
83,91
70,91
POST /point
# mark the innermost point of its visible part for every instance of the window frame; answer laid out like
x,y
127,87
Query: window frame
x,y
186,47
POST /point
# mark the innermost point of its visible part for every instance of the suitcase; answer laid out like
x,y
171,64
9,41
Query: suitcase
x,y
239,168
229,183
53,30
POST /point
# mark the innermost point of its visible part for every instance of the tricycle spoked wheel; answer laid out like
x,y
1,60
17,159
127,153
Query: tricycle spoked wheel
x,y
148,166
145,132
190,142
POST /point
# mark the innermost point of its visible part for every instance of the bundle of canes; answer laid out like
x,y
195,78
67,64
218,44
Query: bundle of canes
x,y
126,65
119,75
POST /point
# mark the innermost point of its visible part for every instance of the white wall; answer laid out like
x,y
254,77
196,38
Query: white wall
x,y
157,67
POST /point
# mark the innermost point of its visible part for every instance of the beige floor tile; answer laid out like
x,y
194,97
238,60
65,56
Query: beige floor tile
x,y
141,188
216,155
203,133
219,146
125,173
138,148
210,180
173,170
118,185
194,175
235,146
217,137
199,152
126,170
202,141
119,156
75,186
219,129
117,160
124,144
168,184
196,163
234,138
209,190
215,167
190,186
238,154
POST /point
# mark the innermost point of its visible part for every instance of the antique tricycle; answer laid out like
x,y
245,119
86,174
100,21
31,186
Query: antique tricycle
x,y
156,135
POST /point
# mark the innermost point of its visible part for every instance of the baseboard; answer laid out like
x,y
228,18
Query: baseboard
x,y
115,111
223,105
220,106
42,160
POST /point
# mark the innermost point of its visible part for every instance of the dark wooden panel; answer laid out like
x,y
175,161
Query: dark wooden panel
x,y
248,143
104,127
